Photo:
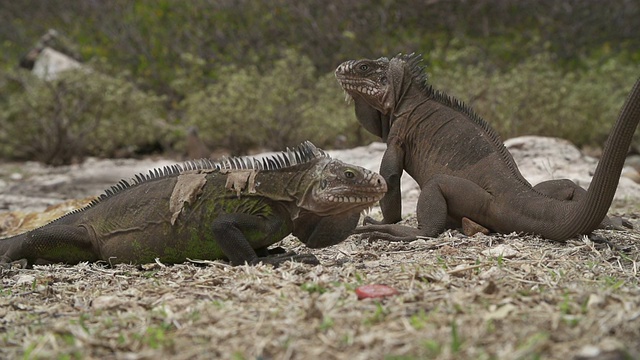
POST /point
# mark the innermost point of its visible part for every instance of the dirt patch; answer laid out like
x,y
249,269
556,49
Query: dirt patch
x,y
481,297
459,297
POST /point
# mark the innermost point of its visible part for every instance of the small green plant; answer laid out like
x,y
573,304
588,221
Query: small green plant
x,y
565,305
150,274
238,356
534,344
156,336
29,350
122,339
347,339
442,262
500,260
360,278
313,288
218,304
432,347
378,315
456,341
398,357
68,339
612,282
326,324
419,320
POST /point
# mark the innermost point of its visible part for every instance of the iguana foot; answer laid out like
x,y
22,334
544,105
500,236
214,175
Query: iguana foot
x,y
368,220
9,264
389,232
617,223
265,252
276,260
600,239
278,250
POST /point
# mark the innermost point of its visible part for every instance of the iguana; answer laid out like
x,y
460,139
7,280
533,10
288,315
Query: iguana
x,y
232,209
461,165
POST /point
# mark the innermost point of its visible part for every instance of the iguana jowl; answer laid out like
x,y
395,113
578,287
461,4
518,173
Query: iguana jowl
x,y
209,210
462,166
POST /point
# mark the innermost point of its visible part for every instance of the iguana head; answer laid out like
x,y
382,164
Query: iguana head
x,y
333,187
367,80
381,83
308,177
378,86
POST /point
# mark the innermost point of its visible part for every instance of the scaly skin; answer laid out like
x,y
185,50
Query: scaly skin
x,y
233,209
462,166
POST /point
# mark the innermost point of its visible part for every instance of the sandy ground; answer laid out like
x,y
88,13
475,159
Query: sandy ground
x,y
32,186
482,297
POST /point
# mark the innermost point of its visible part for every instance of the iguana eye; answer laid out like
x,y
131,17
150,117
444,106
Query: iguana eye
x,y
349,174
363,67
323,184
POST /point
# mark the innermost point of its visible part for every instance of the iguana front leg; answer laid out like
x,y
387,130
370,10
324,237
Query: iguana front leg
x,y
391,170
321,231
229,231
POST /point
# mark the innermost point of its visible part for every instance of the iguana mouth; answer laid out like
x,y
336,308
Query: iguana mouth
x,y
361,195
354,199
360,86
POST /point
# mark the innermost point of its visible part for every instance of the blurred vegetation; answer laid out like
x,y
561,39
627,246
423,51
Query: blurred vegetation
x,y
83,112
254,75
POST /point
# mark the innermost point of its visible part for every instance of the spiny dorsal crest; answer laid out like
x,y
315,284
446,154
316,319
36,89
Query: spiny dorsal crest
x,y
416,68
301,154
414,62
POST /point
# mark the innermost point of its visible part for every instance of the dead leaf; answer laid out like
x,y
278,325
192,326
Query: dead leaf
x,y
500,313
374,291
503,250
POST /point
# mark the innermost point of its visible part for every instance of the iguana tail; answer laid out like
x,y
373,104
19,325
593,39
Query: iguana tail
x,y
589,212
7,245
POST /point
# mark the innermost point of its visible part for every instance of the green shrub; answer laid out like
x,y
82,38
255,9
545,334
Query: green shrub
x,y
270,107
80,113
537,98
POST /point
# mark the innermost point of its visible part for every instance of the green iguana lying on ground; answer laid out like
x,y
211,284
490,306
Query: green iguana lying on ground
x,y
463,169
231,209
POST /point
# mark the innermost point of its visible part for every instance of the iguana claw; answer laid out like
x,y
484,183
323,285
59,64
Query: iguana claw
x,y
368,220
389,232
7,264
276,260
619,223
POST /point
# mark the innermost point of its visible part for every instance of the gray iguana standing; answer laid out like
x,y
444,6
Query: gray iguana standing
x,y
231,209
461,165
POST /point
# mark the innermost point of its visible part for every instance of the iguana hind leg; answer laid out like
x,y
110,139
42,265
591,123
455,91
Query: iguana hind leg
x,y
565,189
441,197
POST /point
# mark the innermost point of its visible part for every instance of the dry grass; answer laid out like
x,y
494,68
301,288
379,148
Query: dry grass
x,y
483,297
